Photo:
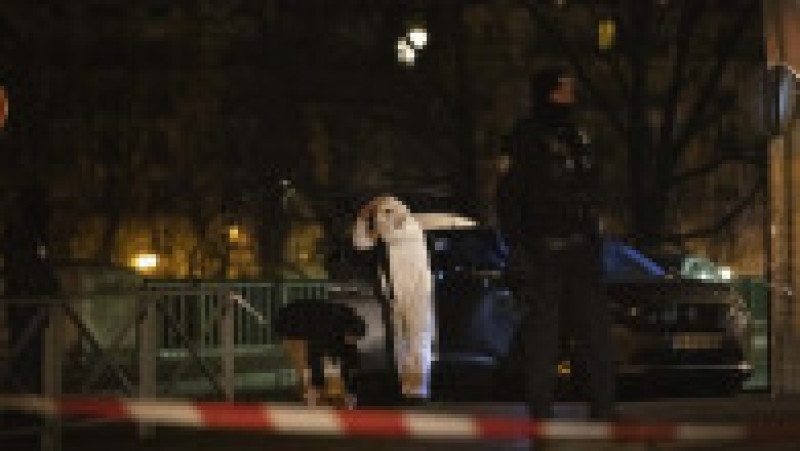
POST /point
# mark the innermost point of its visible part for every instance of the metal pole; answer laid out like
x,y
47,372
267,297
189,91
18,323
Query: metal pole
x,y
228,376
148,351
52,366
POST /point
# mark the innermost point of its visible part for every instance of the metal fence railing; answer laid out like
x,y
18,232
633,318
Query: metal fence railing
x,y
192,305
121,343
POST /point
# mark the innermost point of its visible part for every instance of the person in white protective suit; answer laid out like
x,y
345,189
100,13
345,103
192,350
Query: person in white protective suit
x,y
408,285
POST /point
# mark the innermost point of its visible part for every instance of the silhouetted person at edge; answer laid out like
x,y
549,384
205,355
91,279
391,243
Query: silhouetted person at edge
x,y
547,212
28,274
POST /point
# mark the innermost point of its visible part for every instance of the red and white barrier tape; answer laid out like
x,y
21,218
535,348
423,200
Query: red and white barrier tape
x,y
299,420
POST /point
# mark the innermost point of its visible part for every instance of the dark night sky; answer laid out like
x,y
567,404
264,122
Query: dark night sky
x,y
199,106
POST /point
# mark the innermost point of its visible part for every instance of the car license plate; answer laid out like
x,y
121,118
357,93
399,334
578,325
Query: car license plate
x,y
694,341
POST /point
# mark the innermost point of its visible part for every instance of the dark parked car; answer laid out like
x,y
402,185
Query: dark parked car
x,y
681,336
667,332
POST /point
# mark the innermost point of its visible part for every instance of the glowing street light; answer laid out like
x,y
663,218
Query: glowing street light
x,y
235,234
405,52
144,262
418,37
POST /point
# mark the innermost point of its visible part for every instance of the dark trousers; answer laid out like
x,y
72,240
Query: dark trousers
x,y
563,288
345,354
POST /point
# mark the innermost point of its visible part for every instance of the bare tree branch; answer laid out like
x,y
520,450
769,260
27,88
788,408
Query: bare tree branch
x,y
661,22
711,166
722,222
689,17
546,22
725,219
727,46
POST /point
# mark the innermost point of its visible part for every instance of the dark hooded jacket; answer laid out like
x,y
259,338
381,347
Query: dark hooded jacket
x,y
551,189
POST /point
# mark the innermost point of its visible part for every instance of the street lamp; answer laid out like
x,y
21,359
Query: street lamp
x,y
414,40
405,52
418,37
144,262
234,234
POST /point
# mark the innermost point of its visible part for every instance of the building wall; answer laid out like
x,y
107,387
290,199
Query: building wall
x,y
782,38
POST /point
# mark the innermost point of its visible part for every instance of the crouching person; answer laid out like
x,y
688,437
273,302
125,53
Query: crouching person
x,y
321,339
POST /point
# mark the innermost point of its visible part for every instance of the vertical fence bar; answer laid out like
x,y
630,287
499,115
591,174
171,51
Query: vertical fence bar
x,y
260,301
242,325
202,308
171,304
163,331
252,335
219,301
244,322
52,367
265,304
228,346
215,302
186,318
208,296
280,298
257,294
148,352
269,308
201,295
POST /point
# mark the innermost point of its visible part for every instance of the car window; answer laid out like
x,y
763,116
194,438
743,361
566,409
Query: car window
x,y
473,248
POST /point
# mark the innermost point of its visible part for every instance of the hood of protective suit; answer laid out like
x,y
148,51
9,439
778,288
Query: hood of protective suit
x,y
391,215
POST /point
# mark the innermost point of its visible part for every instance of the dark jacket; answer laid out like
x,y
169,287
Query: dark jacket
x,y
318,321
552,188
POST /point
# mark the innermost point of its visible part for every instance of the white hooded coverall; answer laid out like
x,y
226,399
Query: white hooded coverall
x,y
410,289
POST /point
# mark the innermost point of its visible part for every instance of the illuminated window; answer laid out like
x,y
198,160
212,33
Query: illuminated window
x,y
606,33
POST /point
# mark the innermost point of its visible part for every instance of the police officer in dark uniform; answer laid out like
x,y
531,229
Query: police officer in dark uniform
x,y
547,211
